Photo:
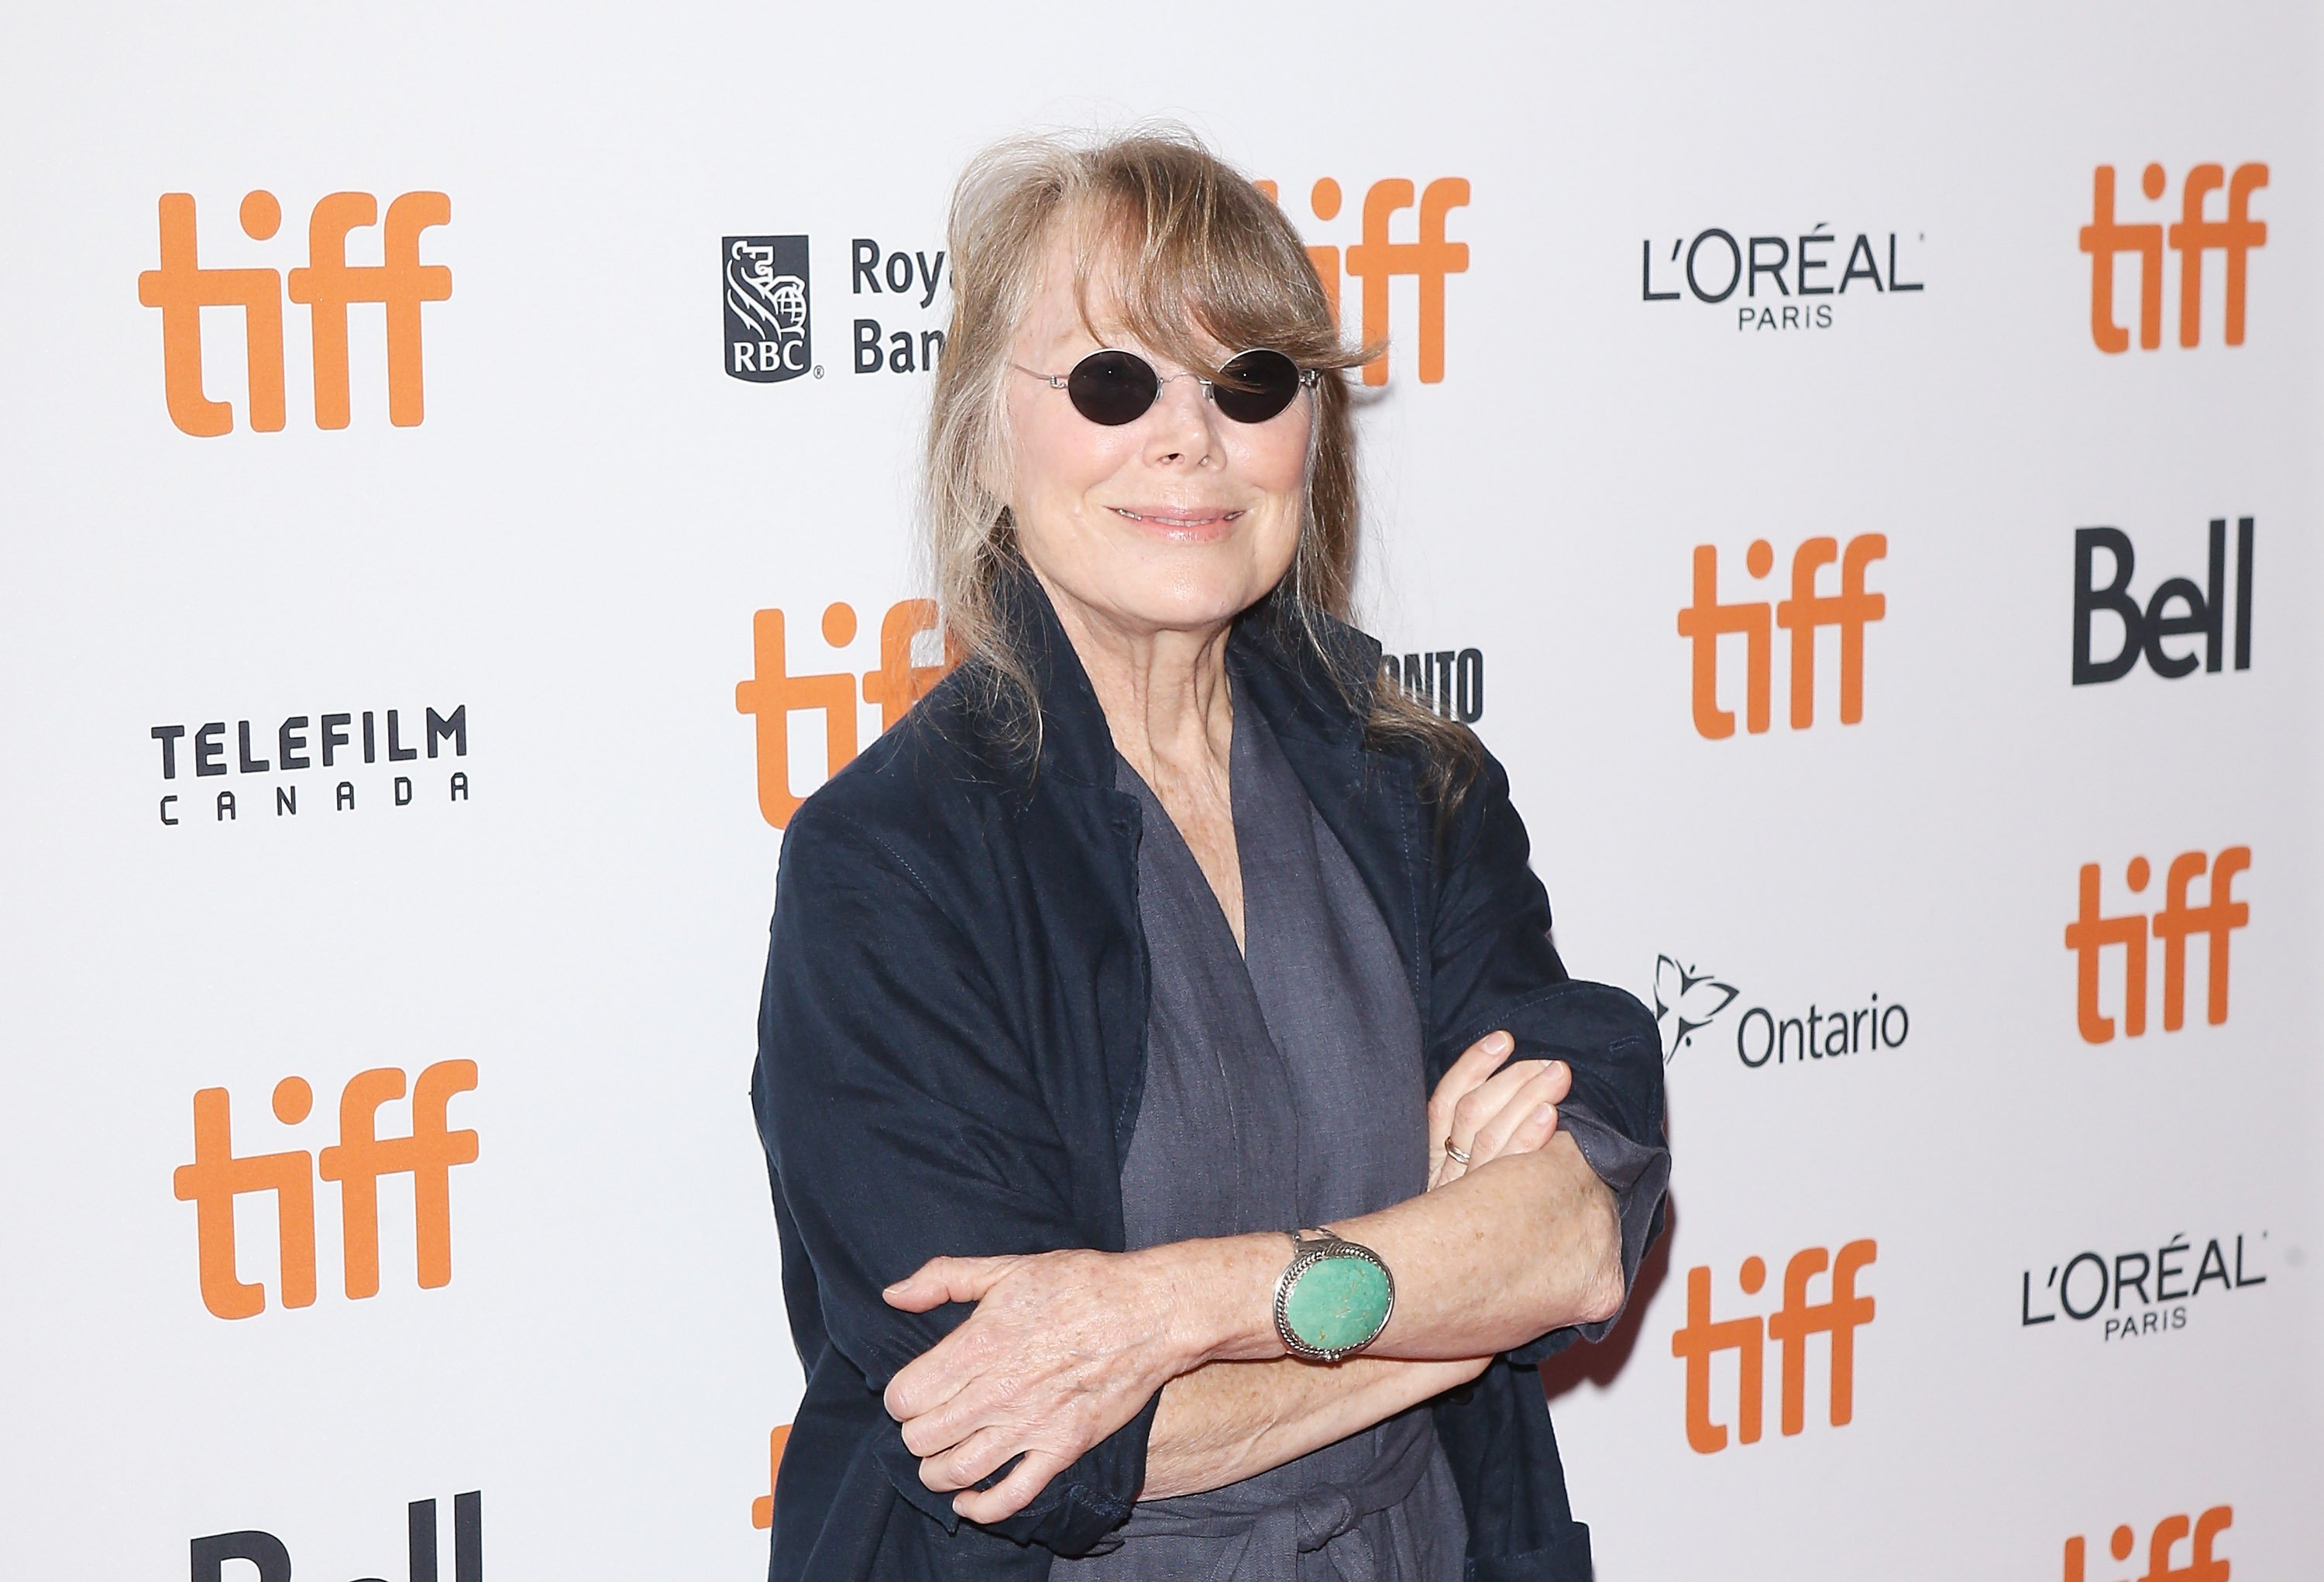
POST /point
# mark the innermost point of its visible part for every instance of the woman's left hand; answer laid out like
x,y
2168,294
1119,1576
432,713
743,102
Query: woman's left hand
x,y
1063,1349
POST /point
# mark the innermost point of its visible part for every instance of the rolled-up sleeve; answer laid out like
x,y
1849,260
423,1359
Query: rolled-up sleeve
x,y
904,1119
1494,965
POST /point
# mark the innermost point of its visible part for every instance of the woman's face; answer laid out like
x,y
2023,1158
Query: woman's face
x,y
1178,521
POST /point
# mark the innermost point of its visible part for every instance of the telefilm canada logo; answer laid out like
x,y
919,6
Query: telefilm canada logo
x,y
269,1558
181,287
1792,279
1689,999
337,754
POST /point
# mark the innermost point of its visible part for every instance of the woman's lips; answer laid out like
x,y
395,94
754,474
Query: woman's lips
x,y
1183,522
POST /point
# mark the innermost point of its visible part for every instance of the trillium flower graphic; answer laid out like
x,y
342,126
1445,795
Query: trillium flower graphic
x,y
1685,1001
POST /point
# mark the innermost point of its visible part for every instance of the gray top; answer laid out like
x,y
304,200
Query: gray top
x,y
1284,1087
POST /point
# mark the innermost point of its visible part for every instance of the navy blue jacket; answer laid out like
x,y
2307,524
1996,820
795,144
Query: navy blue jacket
x,y
952,1046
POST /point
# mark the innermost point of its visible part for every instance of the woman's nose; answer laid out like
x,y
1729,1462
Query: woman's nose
x,y
1183,424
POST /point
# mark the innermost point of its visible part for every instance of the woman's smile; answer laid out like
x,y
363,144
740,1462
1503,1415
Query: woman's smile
x,y
1183,524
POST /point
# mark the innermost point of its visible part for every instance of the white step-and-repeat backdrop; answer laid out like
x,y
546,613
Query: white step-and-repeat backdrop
x,y
1857,467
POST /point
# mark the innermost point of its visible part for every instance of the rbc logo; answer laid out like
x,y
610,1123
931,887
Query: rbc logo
x,y
768,336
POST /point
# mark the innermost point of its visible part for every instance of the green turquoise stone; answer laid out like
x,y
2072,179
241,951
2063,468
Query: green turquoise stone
x,y
1337,1302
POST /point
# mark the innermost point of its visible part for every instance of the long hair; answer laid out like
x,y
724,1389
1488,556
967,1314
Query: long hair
x,y
1195,256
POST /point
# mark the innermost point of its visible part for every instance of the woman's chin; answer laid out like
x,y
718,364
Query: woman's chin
x,y
1200,606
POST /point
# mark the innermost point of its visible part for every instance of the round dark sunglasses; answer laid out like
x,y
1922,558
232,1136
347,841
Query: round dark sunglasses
x,y
1117,387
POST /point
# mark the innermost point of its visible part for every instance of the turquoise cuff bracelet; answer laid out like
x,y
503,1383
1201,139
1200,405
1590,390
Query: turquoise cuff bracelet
x,y
1333,1299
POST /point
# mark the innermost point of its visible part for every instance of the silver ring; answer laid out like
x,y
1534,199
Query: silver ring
x,y
1459,1156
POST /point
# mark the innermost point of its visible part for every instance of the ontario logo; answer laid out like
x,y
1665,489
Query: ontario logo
x,y
1686,1001
769,332
1689,999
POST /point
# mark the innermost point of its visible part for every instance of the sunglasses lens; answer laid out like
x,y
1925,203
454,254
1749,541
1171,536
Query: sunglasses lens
x,y
1112,388
1256,386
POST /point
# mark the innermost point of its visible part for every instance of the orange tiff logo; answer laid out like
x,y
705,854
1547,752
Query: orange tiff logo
x,y
1851,609
1839,1315
2091,933
218,1176
1376,260
2106,239
2201,1535
773,694
762,1509
326,287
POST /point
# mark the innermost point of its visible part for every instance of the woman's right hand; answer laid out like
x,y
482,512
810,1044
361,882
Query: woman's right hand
x,y
1488,1111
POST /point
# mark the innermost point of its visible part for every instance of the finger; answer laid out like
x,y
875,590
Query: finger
x,y
931,1380
1488,1100
970,1462
1522,1110
1477,1062
1474,1064
1564,1073
1532,1133
1516,1109
1011,1493
946,1280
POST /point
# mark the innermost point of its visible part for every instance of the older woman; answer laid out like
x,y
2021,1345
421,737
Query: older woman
x,y
1184,1138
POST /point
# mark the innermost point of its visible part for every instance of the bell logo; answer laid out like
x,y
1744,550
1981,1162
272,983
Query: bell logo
x,y
328,285
2201,1535
2192,235
1851,609
268,1557
773,694
2202,611
1376,260
2090,934
218,1176
1839,1315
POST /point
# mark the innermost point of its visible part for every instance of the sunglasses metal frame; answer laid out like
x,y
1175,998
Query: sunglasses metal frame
x,y
1308,380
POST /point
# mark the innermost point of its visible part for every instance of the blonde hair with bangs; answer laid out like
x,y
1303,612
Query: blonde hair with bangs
x,y
1196,256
